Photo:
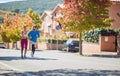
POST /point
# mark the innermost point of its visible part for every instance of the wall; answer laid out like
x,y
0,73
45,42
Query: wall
x,y
91,48
113,14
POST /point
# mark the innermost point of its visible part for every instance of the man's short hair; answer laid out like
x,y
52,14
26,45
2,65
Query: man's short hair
x,y
24,26
35,26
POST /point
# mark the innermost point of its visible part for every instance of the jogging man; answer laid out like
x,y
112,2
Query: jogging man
x,y
33,35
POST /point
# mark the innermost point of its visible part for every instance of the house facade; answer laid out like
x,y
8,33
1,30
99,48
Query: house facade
x,y
114,13
49,24
46,23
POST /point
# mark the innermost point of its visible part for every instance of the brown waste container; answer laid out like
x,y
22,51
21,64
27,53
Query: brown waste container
x,y
107,43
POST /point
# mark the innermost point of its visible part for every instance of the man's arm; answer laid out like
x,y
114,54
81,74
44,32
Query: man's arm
x,y
38,33
29,34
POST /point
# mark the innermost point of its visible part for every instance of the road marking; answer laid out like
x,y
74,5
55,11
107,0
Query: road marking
x,y
15,69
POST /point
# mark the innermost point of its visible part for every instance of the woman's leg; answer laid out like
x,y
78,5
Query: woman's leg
x,y
26,44
22,46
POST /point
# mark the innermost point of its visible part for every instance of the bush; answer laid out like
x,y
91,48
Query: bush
x,y
54,41
108,32
93,35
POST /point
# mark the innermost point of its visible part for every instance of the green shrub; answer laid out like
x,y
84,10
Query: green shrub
x,y
93,35
54,41
108,32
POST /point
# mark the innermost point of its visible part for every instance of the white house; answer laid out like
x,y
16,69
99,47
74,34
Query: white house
x,y
49,24
46,23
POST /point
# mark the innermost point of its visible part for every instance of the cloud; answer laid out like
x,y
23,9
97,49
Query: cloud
x,y
5,1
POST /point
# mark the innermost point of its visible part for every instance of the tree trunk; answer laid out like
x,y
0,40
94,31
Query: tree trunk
x,y
16,46
80,44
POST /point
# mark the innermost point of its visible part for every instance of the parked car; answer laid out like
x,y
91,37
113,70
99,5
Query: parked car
x,y
2,45
71,46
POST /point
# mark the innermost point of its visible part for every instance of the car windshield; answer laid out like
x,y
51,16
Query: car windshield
x,y
76,43
72,42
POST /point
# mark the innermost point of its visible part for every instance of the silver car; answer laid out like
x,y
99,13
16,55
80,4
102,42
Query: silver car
x,y
71,45
2,45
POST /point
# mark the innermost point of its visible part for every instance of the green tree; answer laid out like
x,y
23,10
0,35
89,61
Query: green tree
x,y
35,17
83,15
16,10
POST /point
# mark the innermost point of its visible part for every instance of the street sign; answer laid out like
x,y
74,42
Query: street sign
x,y
58,27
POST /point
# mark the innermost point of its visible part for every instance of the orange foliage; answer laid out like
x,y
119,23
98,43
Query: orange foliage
x,y
11,28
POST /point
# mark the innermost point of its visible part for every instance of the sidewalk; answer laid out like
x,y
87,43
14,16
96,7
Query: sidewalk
x,y
105,55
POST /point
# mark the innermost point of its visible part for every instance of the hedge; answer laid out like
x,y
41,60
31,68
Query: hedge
x,y
93,35
54,41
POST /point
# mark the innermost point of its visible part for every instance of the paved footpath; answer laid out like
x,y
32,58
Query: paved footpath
x,y
57,63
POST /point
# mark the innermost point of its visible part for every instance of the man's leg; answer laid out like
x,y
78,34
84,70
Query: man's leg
x,y
33,50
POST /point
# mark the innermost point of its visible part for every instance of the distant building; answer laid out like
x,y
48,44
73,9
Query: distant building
x,y
114,13
46,23
49,24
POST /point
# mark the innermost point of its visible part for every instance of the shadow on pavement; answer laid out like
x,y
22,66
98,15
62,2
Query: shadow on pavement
x,y
104,56
9,58
67,72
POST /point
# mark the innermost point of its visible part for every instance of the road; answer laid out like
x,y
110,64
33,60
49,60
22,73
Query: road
x,y
57,63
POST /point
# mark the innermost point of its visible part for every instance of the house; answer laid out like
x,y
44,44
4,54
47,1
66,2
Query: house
x,y
46,23
49,24
114,13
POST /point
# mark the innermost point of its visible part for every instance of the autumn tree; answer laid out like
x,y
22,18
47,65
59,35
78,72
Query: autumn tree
x,y
4,30
82,15
10,30
35,17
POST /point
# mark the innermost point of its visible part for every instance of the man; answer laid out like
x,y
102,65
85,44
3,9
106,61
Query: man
x,y
33,35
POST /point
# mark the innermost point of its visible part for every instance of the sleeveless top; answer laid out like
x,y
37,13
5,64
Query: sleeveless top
x,y
24,35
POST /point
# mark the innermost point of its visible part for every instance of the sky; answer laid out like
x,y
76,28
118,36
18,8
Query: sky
x,y
5,1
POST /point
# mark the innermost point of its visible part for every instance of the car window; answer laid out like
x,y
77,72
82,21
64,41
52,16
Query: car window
x,y
75,42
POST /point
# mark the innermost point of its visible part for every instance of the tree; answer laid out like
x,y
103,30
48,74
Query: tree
x,y
35,17
4,31
16,10
82,15
10,30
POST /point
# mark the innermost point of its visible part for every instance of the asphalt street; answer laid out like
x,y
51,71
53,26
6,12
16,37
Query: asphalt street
x,y
57,63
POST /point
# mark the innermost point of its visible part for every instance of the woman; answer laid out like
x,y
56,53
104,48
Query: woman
x,y
24,42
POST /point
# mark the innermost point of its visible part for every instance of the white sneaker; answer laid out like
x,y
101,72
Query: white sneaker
x,y
32,54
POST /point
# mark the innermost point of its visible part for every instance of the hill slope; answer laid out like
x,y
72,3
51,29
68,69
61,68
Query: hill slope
x,y
37,5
